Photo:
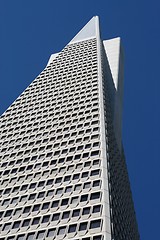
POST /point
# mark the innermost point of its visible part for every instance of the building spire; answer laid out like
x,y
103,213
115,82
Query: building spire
x,y
89,31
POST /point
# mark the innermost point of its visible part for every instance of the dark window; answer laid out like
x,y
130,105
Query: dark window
x,y
96,183
36,208
45,205
76,176
64,202
55,217
84,198
26,223
86,211
16,224
32,196
96,208
83,226
41,194
95,195
76,213
45,219
55,204
26,209
65,215
95,224
41,184
72,228
97,238
85,174
95,172
36,221
8,213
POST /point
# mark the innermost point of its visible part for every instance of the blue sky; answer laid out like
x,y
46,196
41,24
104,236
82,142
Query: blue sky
x,y
32,30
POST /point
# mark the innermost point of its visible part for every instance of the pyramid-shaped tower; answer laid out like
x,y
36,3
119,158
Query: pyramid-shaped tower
x,y
62,170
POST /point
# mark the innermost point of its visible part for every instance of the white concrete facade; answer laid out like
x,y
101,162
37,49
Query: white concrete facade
x,y
61,149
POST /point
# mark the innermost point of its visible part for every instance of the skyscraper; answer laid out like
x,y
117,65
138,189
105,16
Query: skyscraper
x,y
63,172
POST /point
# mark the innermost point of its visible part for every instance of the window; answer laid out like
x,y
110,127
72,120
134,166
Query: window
x,y
41,194
64,202
45,219
59,191
83,226
68,189
97,238
86,211
96,208
45,206
30,236
36,208
84,174
95,224
26,210
50,181
16,224
23,198
50,193
95,196
58,180
51,233
84,198
21,237
65,215
41,235
6,226
76,213
56,217
61,230
8,213
17,211
32,196
94,172
72,228
67,178
76,176
26,223
55,204
36,221
96,183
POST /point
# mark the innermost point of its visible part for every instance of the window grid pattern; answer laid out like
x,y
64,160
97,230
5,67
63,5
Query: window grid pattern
x,y
50,170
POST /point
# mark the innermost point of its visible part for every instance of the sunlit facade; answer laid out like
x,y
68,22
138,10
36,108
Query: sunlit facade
x,y
63,172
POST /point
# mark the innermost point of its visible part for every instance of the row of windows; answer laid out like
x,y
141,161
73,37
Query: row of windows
x,y
66,128
54,105
49,184
41,166
71,97
79,112
60,135
46,234
47,128
65,215
35,120
50,119
56,218
74,228
72,141
76,157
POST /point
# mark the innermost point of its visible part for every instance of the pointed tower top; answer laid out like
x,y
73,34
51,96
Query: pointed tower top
x,y
90,30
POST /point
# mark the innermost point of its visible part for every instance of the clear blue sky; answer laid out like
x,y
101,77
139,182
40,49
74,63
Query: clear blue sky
x,y
30,30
